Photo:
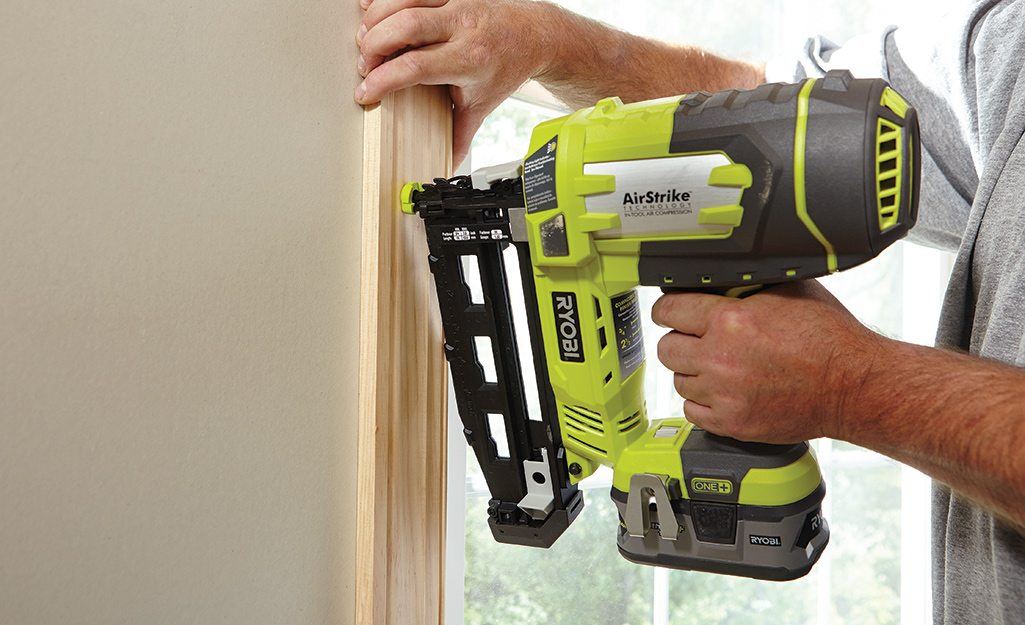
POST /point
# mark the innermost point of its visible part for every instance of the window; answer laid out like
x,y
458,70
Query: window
x,y
876,569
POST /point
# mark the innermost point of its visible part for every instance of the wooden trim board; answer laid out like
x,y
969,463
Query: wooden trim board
x,y
402,460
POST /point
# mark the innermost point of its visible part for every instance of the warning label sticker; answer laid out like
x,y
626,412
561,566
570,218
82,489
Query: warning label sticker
x,y
629,341
539,178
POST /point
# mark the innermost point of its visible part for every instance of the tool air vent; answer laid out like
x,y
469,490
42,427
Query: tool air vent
x,y
630,422
585,428
888,173
889,160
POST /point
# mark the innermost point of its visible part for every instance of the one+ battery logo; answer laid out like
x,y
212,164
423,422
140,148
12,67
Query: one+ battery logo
x,y
708,485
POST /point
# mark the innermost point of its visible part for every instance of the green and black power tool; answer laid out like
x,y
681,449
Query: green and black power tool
x,y
718,193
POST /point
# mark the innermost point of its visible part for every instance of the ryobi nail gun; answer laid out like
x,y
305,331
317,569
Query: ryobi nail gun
x,y
719,192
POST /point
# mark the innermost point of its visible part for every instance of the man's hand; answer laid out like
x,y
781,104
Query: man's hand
x,y
790,364
483,50
774,367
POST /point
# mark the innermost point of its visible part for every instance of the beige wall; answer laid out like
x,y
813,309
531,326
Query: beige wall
x,y
179,285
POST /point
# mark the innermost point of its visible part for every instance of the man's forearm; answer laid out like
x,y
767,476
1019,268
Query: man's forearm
x,y
790,363
957,418
590,61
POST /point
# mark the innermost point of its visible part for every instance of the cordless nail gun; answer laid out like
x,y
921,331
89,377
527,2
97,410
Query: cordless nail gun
x,y
721,193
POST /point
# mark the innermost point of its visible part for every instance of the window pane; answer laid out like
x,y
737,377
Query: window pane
x,y
506,133
580,580
866,551
719,599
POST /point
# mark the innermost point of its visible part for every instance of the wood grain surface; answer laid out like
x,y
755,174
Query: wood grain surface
x,y
402,459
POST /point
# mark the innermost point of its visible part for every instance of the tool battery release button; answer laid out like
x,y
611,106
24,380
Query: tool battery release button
x,y
715,523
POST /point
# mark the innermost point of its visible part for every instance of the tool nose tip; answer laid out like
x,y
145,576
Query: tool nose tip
x,y
407,196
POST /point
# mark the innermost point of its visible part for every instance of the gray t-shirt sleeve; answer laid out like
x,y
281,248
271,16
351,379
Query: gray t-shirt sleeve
x,y
924,63
964,74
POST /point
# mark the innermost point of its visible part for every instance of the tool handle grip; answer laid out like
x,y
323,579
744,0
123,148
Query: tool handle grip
x,y
726,291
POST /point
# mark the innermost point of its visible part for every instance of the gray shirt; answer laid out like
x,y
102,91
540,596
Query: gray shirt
x,y
964,74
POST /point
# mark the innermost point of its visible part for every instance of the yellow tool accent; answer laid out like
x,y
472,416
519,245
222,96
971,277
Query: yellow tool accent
x,y
800,202
593,222
721,216
407,196
892,100
735,175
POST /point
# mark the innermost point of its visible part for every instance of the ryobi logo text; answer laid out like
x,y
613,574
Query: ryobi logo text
x,y
567,326
766,541
715,487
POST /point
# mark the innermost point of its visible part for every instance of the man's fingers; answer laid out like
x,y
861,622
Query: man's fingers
x,y
465,123
423,66
690,313
700,415
678,352
410,29
689,387
380,10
